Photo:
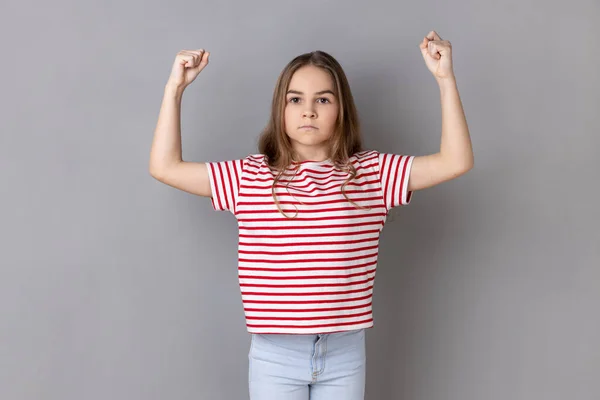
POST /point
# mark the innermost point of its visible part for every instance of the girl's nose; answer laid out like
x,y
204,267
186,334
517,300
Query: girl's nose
x,y
309,114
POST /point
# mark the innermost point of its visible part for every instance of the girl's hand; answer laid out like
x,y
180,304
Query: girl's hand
x,y
438,55
188,64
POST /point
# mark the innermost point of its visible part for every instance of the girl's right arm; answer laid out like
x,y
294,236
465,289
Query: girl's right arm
x,y
166,164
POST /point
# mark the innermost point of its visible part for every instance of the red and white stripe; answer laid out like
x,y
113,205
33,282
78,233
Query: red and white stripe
x,y
313,273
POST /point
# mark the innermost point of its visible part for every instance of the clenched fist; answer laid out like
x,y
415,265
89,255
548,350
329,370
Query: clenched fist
x,y
188,64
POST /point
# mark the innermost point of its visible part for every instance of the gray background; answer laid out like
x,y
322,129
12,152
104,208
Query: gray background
x,y
115,286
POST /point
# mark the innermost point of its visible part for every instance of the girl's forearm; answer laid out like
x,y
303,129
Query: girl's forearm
x,y
166,145
455,144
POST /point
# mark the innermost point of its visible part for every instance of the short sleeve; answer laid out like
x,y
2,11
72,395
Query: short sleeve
x,y
394,172
225,178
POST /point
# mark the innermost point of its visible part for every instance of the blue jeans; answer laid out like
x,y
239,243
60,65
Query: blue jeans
x,y
302,367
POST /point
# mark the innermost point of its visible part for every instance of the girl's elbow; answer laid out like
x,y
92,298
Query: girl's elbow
x,y
465,166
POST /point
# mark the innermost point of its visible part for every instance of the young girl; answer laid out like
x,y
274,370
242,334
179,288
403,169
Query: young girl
x,y
310,207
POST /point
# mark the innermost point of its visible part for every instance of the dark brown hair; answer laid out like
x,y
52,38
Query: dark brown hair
x,y
343,143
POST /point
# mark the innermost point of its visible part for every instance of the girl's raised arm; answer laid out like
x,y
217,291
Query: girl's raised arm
x,y
166,164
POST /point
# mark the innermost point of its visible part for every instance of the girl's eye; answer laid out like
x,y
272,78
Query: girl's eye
x,y
323,98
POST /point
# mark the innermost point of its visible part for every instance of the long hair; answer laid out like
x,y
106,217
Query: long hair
x,y
343,143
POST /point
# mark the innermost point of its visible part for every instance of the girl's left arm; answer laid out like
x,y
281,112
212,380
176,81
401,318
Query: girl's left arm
x,y
455,157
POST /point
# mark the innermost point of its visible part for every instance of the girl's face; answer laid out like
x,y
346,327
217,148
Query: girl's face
x,y
311,112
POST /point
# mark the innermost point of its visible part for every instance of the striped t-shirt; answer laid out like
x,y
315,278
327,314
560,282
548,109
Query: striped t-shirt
x,y
313,273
